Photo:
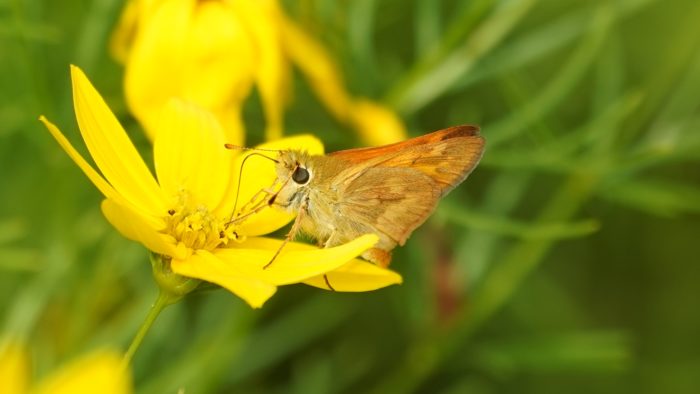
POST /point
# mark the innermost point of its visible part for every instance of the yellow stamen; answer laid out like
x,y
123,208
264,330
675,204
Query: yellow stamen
x,y
195,226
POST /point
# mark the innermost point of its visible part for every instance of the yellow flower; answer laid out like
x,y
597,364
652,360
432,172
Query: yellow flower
x,y
184,214
213,53
101,369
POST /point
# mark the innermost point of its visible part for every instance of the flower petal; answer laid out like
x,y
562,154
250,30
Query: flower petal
x,y
357,275
123,35
218,43
296,262
105,188
231,120
206,266
111,148
14,367
317,66
259,173
154,65
189,153
272,73
376,124
135,14
209,58
103,369
141,229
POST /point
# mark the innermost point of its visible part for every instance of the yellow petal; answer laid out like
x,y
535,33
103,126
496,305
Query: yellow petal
x,y
189,154
141,229
14,368
103,371
206,266
154,65
231,120
272,71
317,66
123,35
357,275
376,124
197,51
259,173
296,262
111,148
135,14
218,43
105,188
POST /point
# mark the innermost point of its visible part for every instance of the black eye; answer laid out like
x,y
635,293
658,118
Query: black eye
x,y
300,175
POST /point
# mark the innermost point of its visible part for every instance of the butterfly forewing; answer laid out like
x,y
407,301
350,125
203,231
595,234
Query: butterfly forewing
x,y
393,201
359,155
446,156
394,188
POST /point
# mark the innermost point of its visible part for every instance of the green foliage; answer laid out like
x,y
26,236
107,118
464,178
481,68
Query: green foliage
x,y
566,263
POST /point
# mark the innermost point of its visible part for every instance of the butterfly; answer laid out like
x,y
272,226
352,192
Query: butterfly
x,y
387,190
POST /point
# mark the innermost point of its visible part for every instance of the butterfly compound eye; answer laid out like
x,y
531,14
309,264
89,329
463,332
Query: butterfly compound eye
x,y
300,175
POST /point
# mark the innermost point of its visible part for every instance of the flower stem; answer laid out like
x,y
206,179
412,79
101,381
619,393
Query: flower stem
x,y
161,302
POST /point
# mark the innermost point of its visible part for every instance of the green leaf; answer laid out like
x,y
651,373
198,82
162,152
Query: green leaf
x,y
658,197
562,84
542,41
577,352
422,86
508,227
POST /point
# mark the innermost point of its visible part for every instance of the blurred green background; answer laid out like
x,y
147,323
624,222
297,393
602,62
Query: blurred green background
x,y
568,262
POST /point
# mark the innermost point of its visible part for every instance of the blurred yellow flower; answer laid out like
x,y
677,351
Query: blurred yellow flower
x,y
185,213
213,52
101,371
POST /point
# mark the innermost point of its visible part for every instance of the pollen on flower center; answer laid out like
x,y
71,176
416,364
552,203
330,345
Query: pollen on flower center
x,y
196,227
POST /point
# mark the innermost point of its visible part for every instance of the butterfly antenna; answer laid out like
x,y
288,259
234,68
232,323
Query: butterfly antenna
x,y
238,147
240,175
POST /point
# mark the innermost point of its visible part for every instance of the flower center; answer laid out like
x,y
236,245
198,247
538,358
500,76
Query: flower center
x,y
196,227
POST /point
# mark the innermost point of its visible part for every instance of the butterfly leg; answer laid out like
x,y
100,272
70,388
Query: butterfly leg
x,y
251,204
254,207
328,282
292,232
246,215
328,244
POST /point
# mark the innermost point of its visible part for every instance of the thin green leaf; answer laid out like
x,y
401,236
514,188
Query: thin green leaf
x,y
577,352
425,86
428,23
12,230
504,226
542,41
17,259
551,95
658,197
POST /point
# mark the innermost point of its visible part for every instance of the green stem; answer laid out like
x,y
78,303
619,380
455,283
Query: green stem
x,y
162,301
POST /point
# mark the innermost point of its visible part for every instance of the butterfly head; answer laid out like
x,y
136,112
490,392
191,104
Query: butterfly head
x,y
294,174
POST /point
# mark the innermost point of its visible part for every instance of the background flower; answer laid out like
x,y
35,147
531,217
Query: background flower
x,y
101,369
213,52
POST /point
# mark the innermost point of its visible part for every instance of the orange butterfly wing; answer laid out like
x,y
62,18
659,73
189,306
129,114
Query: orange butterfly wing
x,y
393,201
394,188
447,156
